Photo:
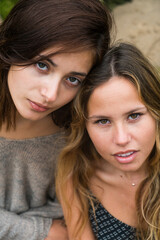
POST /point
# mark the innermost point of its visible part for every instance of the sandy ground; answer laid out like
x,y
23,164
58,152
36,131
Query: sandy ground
x,y
138,22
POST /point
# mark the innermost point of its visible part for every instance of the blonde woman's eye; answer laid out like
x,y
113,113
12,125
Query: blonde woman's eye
x,y
103,121
42,66
73,81
134,116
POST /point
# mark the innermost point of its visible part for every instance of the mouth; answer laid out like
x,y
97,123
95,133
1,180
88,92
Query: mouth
x,y
37,106
125,157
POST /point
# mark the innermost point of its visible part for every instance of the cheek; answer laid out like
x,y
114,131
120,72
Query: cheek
x,y
99,140
148,137
12,86
93,134
150,129
10,78
16,80
69,95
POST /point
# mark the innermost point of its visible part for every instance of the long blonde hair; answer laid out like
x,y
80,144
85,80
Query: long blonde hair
x,y
78,157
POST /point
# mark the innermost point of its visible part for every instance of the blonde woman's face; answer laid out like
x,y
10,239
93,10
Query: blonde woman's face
x,y
120,126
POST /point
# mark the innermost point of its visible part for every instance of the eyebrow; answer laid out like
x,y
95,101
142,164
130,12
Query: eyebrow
x,y
43,57
73,73
127,113
51,62
79,74
136,110
97,117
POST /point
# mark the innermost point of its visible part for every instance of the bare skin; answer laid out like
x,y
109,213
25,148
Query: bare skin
x,y
109,187
58,231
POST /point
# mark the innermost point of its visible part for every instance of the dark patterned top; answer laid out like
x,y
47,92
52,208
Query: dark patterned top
x,y
107,227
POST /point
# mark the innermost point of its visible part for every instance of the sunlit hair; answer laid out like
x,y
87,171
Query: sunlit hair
x,y
78,158
34,26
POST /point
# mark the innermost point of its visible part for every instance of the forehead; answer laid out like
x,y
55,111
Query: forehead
x,y
115,86
60,49
60,52
115,94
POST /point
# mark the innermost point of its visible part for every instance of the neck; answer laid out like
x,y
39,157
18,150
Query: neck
x,y
29,129
112,175
133,178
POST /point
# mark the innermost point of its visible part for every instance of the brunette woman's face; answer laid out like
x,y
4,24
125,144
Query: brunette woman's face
x,y
120,126
39,89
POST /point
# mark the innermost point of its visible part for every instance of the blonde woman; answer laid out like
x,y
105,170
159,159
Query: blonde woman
x,y
108,177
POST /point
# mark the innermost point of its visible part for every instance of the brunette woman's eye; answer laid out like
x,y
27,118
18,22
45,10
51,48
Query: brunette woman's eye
x,y
73,81
42,66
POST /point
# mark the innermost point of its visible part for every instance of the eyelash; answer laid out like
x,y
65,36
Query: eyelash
x,y
73,84
40,69
101,120
138,115
107,121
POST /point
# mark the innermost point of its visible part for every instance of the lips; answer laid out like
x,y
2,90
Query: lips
x,y
125,157
38,107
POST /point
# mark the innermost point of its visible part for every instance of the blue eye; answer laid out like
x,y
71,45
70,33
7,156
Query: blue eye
x,y
42,66
134,116
73,81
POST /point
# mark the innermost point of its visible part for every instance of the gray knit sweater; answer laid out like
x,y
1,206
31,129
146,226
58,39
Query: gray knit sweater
x,y
27,192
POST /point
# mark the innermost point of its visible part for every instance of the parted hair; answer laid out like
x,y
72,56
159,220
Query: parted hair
x,y
78,157
33,26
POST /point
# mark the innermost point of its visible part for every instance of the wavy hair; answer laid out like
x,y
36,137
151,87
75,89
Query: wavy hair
x,y
78,157
33,26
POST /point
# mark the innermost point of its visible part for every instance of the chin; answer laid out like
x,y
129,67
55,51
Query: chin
x,y
32,117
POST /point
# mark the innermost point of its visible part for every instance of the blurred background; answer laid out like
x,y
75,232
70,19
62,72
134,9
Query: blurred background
x,y
6,6
137,21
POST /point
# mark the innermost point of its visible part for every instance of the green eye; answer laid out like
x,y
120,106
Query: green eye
x,y
134,116
103,121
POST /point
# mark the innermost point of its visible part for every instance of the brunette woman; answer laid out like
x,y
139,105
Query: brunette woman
x,y
47,48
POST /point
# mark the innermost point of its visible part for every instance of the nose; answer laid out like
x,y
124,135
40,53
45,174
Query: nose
x,y
50,90
121,135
